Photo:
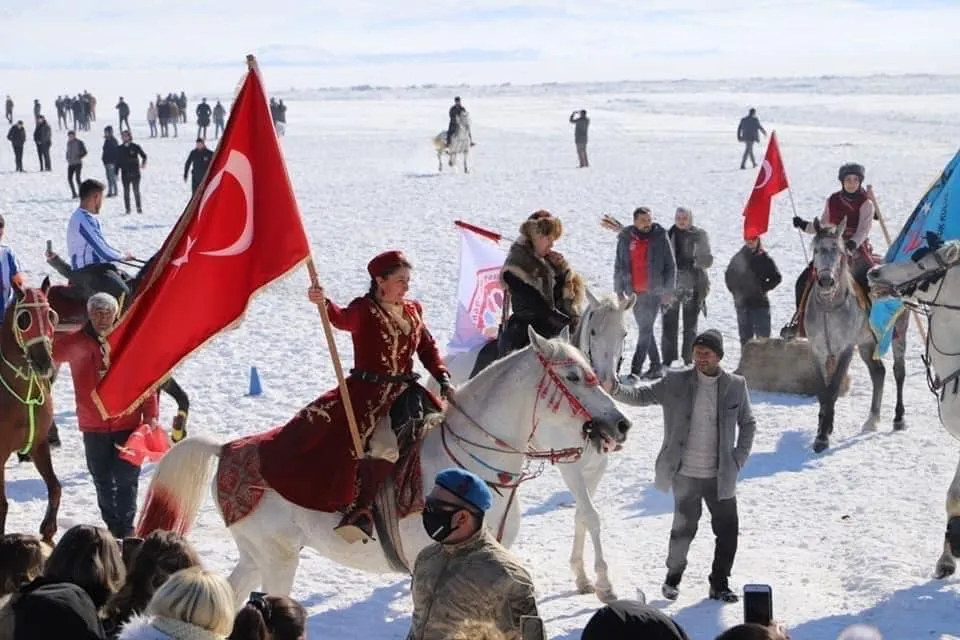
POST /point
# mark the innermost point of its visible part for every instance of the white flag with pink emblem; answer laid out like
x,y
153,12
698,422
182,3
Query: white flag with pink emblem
x,y
479,292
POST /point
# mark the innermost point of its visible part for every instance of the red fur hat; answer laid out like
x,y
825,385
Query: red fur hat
x,y
386,261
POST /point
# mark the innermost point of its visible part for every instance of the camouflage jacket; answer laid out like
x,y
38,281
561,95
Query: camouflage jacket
x,y
477,579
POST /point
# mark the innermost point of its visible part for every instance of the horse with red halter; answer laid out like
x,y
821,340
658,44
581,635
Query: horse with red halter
x,y
26,408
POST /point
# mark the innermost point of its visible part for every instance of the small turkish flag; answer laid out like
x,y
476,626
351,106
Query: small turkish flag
x,y
240,232
771,181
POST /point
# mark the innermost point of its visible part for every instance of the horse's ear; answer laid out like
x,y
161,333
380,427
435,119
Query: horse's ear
x,y
627,302
591,299
565,334
45,285
838,230
536,341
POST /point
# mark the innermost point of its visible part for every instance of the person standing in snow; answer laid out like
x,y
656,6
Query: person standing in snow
x,y
75,153
18,138
219,118
581,123
123,112
750,276
203,118
152,119
43,138
644,265
691,249
749,134
704,448
8,110
199,159
110,158
129,163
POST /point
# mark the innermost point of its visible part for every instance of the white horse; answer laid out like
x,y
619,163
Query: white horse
x,y
547,389
460,143
599,336
932,281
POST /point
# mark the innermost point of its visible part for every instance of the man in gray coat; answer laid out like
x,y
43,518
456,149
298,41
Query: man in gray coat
x,y
644,265
748,132
580,123
705,445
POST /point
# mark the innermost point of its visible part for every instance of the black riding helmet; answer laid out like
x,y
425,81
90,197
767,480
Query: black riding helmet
x,y
851,169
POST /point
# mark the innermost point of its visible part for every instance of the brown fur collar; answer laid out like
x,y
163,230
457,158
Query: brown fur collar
x,y
542,274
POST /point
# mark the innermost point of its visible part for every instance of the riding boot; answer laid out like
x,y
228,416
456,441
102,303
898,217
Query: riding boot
x,y
357,522
801,288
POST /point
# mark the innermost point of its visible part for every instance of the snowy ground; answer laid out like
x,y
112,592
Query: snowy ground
x,y
850,535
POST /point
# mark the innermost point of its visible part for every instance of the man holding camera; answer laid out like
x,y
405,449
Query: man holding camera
x,y
704,448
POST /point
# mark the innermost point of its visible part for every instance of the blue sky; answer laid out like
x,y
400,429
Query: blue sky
x,y
449,40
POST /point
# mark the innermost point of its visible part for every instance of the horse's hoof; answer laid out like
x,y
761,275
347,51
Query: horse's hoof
x,y
869,427
944,570
584,588
606,596
899,425
820,444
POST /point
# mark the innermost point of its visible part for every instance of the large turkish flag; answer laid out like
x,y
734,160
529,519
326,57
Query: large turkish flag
x,y
240,232
771,180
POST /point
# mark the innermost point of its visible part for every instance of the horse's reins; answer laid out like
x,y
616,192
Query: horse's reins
x,y
549,381
31,402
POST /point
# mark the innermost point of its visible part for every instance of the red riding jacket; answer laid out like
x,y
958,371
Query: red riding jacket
x,y
81,350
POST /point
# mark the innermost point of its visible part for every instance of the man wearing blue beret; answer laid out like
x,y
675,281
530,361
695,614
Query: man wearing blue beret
x,y
467,574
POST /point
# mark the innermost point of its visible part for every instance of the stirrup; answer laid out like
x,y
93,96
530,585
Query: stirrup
x,y
179,430
351,527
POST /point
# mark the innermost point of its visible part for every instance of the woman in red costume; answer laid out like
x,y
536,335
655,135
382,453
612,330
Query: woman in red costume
x,y
313,461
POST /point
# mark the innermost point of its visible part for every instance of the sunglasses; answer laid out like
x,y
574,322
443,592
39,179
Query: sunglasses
x,y
435,504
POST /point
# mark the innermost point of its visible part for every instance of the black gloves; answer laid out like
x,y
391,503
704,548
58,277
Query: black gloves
x,y
445,387
850,245
799,223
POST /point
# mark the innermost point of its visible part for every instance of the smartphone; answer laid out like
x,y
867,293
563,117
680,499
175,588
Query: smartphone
x,y
49,246
257,595
758,604
531,628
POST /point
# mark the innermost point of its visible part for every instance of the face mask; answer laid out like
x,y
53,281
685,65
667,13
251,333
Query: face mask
x,y
438,524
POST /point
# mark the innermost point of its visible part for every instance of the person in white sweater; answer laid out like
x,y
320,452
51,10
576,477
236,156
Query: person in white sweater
x,y
705,445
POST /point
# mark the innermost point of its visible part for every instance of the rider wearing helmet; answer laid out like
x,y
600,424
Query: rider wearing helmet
x,y
852,205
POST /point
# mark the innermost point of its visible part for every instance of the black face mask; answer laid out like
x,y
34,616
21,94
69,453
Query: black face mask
x,y
437,518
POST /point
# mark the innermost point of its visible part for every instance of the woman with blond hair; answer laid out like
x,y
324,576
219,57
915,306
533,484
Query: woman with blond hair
x,y
162,554
545,292
193,604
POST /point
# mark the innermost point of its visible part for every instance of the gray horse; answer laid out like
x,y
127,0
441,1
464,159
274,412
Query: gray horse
x,y
836,323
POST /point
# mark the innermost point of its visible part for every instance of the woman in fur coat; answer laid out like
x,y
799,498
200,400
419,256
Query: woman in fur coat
x,y
545,292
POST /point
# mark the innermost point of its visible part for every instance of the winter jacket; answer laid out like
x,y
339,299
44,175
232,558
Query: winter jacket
x,y
42,134
123,109
111,151
81,349
128,161
735,422
477,579
152,113
17,136
47,608
203,114
750,275
143,628
660,268
693,256
76,151
749,129
581,124
199,159
218,113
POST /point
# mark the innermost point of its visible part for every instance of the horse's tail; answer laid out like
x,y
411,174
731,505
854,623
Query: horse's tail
x,y
176,491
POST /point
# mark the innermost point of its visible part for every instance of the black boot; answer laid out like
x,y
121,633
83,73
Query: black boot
x,y
721,591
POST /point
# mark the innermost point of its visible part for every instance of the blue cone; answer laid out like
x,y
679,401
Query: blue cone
x,y
255,388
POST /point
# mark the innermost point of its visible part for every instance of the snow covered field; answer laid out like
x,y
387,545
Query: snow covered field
x,y
848,536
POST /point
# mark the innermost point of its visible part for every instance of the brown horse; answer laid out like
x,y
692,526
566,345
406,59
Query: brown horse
x,y
26,408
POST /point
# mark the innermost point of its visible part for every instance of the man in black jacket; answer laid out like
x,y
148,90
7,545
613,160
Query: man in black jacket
x,y
123,112
110,157
43,137
691,249
749,134
750,275
18,138
129,164
199,159
455,112
203,119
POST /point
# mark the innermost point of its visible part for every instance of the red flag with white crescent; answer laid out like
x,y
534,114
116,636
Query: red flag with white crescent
x,y
771,180
240,232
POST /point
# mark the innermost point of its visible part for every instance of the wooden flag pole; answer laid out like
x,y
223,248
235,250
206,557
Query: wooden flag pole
x,y
337,367
886,235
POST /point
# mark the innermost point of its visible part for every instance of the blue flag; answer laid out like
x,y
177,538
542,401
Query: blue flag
x,y
938,212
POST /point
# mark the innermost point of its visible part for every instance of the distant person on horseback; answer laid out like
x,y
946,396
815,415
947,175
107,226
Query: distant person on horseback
x,y
545,292
853,205
388,333
90,255
455,112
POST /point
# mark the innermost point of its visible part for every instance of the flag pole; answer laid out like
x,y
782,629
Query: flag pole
x,y
331,343
803,245
337,367
886,235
